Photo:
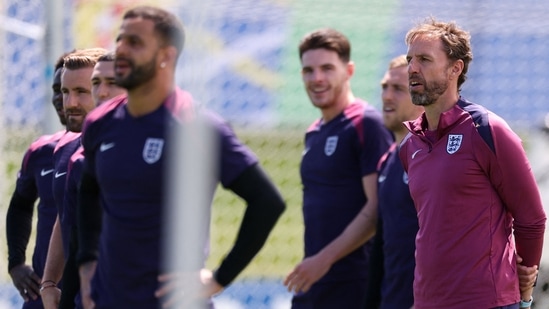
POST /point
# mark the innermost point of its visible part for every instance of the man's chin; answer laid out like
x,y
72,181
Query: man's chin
x,y
74,125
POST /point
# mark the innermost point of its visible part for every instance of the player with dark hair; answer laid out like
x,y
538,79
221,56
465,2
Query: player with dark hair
x,y
77,102
338,172
34,182
126,149
57,99
477,201
104,86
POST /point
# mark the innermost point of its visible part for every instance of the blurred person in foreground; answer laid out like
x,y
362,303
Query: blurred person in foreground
x,y
76,87
34,182
126,149
338,172
393,248
478,205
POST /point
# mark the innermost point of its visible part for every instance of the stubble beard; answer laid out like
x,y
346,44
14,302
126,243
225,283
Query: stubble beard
x,y
74,125
138,75
430,95
329,99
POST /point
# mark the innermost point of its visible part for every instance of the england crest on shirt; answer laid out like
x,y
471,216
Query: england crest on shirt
x,y
454,142
152,151
331,145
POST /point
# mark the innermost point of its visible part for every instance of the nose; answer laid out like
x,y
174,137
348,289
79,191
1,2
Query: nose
x,y
69,100
103,91
316,75
386,95
412,66
120,48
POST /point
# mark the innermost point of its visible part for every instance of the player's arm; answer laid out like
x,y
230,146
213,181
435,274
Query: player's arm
x,y
358,232
53,269
264,207
516,185
375,268
71,279
88,218
18,230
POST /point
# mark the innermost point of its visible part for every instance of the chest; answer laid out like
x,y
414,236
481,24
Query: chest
x,y
40,168
130,154
448,169
332,152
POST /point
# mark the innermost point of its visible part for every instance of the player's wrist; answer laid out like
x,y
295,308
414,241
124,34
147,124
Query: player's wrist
x,y
47,284
526,303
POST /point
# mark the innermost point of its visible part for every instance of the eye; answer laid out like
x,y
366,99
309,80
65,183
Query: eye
x,y
133,41
327,68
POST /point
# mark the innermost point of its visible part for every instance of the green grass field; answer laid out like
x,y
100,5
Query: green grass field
x,y
280,153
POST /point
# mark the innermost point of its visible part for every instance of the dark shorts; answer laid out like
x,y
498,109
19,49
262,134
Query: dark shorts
x,y
341,294
34,304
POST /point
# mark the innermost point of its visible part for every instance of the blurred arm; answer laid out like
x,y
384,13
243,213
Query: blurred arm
x,y
264,207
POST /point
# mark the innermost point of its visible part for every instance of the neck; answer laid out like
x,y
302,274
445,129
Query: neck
x,y
332,112
400,135
148,97
443,104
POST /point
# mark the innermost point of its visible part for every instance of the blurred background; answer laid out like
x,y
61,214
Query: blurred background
x,y
241,60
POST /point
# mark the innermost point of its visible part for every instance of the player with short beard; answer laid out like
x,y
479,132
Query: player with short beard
x,y
478,204
77,102
103,89
126,147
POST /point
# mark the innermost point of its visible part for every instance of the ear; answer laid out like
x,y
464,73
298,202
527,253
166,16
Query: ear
x,y
457,68
168,56
350,68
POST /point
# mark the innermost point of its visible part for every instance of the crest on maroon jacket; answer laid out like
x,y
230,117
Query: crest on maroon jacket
x,y
454,142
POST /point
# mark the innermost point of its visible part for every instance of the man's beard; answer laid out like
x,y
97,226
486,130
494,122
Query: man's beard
x,y
432,91
75,125
138,74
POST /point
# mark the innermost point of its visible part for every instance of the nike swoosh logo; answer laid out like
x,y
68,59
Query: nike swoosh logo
x,y
45,172
105,147
415,153
57,175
